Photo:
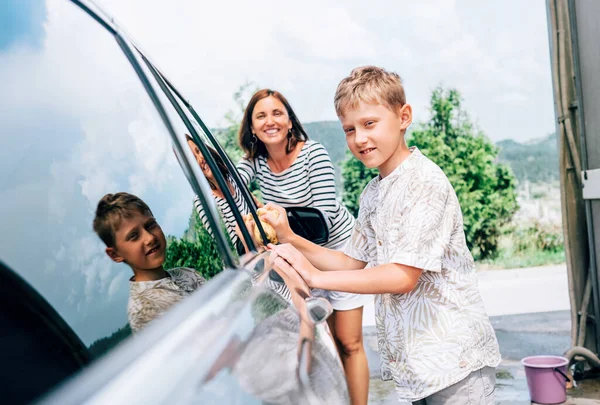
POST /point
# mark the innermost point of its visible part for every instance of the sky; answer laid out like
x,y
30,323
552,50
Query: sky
x,y
495,53
75,122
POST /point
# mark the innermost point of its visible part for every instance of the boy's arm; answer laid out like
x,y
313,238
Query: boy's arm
x,y
387,278
323,258
320,257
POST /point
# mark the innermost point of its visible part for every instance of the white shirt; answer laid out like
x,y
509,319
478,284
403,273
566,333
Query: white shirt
x,y
437,334
150,299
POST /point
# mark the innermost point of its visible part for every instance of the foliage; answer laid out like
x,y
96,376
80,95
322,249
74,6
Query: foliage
x,y
197,250
536,236
485,188
105,344
532,244
356,176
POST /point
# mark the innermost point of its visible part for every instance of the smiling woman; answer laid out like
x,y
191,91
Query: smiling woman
x,y
293,171
100,237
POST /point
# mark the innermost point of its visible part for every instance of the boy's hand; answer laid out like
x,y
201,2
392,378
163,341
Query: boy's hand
x,y
286,256
278,222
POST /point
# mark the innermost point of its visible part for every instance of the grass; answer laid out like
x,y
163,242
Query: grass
x,y
509,260
527,245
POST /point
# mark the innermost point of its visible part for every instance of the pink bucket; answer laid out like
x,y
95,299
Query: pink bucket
x,y
546,378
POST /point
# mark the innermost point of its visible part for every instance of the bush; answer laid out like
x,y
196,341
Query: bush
x,y
196,250
537,237
486,189
356,177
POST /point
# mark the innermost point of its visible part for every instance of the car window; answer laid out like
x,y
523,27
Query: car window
x,y
242,199
267,330
77,124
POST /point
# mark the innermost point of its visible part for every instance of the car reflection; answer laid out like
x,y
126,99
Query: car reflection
x,y
286,359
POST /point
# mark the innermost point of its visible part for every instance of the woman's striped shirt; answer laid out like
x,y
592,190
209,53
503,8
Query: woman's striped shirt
x,y
308,182
225,210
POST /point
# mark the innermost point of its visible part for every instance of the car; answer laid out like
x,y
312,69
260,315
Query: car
x,y
85,112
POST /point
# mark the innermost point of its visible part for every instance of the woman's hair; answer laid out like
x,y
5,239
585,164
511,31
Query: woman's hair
x,y
220,163
252,146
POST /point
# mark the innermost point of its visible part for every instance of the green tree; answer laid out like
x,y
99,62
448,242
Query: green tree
x,y
105,344
196,249
228,137
355,176
485,188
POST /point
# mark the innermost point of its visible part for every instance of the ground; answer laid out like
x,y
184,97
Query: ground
x,y
533,321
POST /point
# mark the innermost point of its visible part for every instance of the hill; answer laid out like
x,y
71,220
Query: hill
x,y
535,161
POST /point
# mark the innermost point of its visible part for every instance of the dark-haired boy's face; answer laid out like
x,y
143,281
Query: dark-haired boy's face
x,y
375,134
139,242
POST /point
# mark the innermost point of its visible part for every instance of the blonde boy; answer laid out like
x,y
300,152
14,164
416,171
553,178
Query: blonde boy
x,y
133,236
435,339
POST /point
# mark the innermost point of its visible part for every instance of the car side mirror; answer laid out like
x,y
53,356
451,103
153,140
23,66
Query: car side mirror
x,y
309,223
318,308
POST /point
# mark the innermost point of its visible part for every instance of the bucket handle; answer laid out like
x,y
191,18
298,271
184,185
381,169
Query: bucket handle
x,y
562,373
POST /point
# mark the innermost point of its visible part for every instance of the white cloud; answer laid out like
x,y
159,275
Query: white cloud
x,y
303,49
208,49
101,134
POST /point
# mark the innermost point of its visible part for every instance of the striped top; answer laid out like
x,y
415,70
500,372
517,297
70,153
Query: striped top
x,y
308,182
278,287
225,209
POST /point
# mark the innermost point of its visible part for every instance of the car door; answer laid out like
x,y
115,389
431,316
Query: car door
x,y
287,333
76,123
84,115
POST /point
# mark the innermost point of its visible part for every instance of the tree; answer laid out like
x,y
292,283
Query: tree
x,y
356,176
228,137
105,344
196,249
485,188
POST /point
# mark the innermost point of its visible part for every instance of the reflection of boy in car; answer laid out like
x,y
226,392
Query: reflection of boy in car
x,y
132,236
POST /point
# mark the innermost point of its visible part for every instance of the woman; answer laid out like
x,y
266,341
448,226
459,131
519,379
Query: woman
x,y
292,170
225,209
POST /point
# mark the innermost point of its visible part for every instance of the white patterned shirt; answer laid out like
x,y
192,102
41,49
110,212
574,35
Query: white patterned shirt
x,y
149,299
437,334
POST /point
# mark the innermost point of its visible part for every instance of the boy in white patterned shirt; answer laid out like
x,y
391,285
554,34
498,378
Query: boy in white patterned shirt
x,y
133,236
435,339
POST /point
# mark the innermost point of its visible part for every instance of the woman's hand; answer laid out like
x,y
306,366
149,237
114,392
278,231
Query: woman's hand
x,y
250,226
288,257
279,221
